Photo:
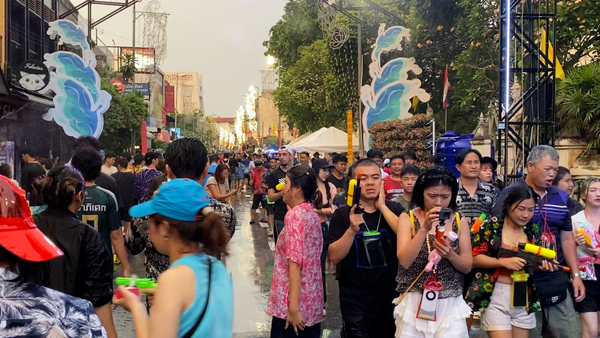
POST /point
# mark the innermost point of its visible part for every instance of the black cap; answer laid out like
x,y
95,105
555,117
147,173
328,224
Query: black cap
x,y
487,159
321,164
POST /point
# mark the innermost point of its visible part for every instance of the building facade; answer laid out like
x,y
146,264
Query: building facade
x,y
184,92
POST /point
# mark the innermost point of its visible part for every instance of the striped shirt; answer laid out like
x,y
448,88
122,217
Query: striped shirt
x,y
551,210
481,202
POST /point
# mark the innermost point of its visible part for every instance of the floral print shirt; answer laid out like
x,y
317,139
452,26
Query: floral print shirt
x,y
30,310
301,241
487,241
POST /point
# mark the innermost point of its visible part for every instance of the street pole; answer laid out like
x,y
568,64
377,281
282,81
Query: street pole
x,y
133,47
361,139
446,120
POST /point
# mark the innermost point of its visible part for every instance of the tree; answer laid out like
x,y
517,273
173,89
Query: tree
x,y
298,27
128,67
577,30
307,92
578,105
123,119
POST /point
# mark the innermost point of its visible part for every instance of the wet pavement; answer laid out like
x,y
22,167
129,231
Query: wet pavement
x,y
250,263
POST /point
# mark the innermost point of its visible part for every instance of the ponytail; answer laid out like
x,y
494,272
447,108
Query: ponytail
x,y
207,229
60,186
318,200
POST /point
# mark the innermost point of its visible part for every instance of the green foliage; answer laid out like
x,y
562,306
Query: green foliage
x,y
198,125
462,34
123,119
396,136
128,67
577,30
578,104
307,93
298,27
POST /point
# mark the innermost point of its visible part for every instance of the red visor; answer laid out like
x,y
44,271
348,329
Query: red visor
x,y
18,233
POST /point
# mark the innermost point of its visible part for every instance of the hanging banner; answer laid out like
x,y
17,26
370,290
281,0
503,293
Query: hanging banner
x,y
350,153
170,99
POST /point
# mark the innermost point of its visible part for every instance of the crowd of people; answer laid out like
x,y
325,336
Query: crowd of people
x,y
417,251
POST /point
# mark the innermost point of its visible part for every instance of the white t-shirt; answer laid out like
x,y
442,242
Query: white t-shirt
x,y
109,171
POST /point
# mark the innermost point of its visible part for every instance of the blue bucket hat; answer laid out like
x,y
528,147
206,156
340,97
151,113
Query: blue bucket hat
x,y
180,199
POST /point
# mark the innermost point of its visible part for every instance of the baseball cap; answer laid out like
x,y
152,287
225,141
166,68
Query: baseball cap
x,y
386,161
179,199
288,149
18,233
321,164
257,163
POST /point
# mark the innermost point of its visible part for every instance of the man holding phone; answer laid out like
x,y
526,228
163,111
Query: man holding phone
x,y
366,281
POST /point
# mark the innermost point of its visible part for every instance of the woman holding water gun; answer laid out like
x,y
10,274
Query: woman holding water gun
x,y
585,226
194,297
496,279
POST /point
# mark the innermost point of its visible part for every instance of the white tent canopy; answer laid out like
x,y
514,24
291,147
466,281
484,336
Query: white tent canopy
x,y
325,140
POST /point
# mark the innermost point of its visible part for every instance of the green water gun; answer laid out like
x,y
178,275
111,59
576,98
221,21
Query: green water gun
x,y
140,283
134,285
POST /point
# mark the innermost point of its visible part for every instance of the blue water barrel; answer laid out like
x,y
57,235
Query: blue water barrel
x,y
450,144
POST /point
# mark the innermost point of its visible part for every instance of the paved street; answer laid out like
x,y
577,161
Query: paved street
x,y
251,264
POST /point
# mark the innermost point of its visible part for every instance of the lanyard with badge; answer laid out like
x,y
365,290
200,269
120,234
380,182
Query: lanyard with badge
x,y
548,238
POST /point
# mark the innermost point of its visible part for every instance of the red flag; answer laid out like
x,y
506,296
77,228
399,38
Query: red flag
x,y
447,88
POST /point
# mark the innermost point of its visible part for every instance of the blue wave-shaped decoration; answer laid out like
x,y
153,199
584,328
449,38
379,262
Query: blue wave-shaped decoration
x,y
69,33
79,102
388,40
73,110
387,105
70,65
391,72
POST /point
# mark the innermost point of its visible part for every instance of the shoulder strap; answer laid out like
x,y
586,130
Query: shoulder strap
x,y
412,223
191,332
457,215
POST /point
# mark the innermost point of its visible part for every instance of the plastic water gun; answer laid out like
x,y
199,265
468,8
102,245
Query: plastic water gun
x,y
134,284
434,256
592,238
279,186
354,192
533,254
478,223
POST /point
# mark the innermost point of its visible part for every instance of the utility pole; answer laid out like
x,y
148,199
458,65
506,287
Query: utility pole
x,y
361,139
133,47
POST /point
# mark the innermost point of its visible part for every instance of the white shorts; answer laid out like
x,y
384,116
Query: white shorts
x,y
451,318
498,316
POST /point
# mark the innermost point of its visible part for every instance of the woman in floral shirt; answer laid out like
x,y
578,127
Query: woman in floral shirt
x,y
296,299
490,290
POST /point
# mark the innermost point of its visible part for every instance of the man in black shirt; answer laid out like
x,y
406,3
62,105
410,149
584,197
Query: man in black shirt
x,y
103,181
367,282
125,183
31,172
286,158
337,174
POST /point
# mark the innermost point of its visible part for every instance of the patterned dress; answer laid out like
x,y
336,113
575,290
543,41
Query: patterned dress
x,y
487,241
301,241
30,310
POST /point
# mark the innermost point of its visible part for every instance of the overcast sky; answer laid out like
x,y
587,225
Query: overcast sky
x,y
219,39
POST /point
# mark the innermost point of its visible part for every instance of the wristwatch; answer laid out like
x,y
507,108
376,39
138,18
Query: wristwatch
x,y
575,275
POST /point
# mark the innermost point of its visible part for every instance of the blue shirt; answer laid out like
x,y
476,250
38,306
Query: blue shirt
x,y
211,171
552,207
218,319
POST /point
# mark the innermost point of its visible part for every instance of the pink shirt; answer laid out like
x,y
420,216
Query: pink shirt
x,y
301,241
